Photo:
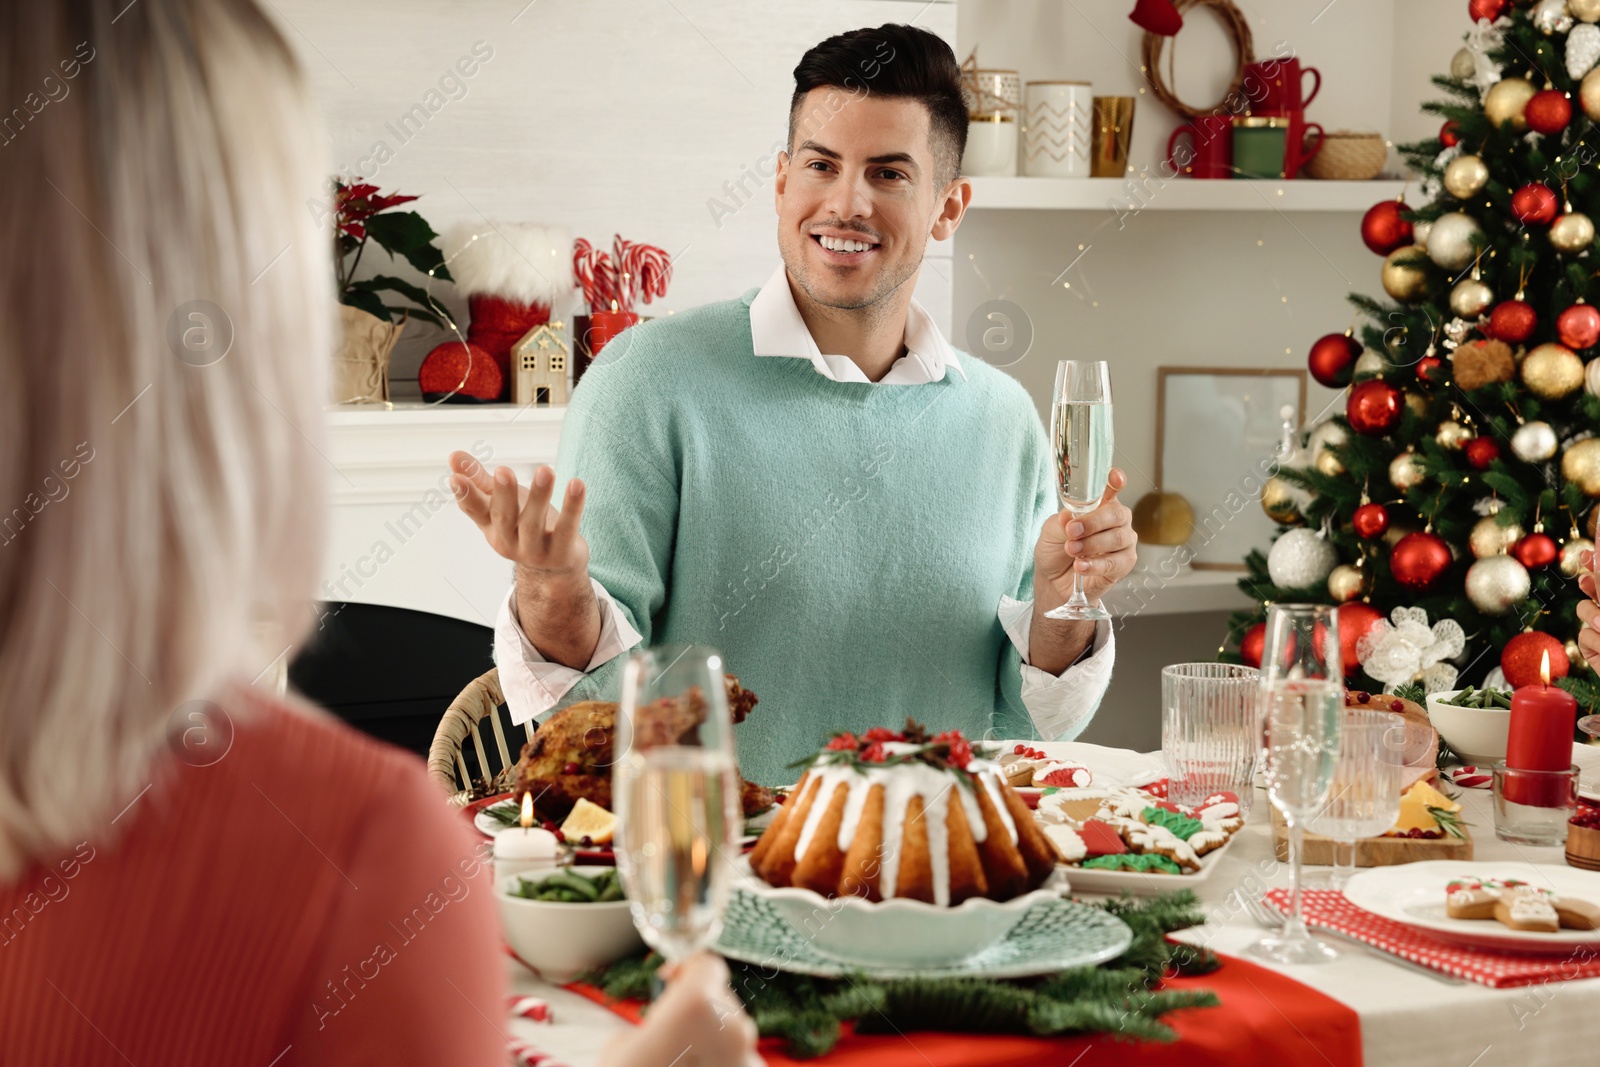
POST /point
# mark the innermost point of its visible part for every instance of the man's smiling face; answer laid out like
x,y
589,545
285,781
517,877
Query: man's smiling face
x,y
858,197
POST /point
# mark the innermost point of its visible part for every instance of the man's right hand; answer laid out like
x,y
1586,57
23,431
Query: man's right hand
x,y
555,602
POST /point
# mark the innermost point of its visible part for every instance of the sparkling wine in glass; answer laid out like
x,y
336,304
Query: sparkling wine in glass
x,y
677,793
1081,440
1302,712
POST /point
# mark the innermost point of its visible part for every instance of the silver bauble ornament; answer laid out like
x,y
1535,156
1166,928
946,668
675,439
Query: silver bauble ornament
x,y
1572,233
1572,555
1535,442
1584,10
1450,241
1345,583
1405,471
1462,68
1507,100
1470,298
1300,559
1591,379
1420,232
1465,177
1583,50
1369,364
1551,16
1451,433
1489,538
1497,584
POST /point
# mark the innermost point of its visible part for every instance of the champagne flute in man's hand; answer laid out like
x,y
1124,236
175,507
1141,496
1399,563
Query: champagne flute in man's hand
x,y
1081,442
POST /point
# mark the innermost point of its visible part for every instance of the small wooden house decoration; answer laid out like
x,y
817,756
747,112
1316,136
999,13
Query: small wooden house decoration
x,y
539,365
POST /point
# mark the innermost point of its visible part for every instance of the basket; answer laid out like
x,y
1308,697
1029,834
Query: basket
x,y
1349,156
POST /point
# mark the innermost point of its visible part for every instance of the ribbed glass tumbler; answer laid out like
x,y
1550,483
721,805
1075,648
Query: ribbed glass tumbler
x,y
1210,736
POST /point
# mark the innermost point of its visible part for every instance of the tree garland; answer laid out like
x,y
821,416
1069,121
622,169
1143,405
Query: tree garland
x,y
1121,997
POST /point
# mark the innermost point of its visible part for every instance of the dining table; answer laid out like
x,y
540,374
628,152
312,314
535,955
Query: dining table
x,y
1407,1018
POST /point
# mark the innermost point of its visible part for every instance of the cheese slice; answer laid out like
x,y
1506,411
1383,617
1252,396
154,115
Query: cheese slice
x,y
1414,805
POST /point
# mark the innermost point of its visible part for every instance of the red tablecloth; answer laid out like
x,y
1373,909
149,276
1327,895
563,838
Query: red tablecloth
x,y
1265,1018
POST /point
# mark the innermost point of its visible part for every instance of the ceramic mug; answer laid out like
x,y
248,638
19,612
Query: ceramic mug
x,y
1277,86
1056,130
1210,149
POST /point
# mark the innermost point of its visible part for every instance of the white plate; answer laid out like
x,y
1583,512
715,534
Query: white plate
x,y
486,823
1141,884
1587,757
1111,767
1413,894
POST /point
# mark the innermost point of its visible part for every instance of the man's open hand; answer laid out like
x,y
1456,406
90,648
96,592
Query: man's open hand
x,y
1100,545
520,523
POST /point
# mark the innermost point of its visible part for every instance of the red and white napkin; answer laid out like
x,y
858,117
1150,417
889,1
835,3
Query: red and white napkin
x,y
525,1055
1470,777
1330,910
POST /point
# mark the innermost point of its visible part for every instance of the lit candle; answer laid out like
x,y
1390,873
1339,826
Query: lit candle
x,y
524,848
1540,739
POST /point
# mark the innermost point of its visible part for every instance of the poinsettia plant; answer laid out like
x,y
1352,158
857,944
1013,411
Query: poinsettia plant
x,y
364,215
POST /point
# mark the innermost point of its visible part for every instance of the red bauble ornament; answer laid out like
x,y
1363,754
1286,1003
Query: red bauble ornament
x,y
1333,359
1578,327
1512,321
1447,134
1485,9
1536,550
1428,369
1370,521
1253,644
1419,560
1548,112
1374,407
1355,619
1481,452
1535,204
464,373
1384,228
1522,655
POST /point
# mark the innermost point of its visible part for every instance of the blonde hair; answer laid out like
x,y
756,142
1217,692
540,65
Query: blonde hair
x,y
155,506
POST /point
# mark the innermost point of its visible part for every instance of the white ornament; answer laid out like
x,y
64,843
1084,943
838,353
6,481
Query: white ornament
x,y
1450,242
1482,39
1398,649
1583,50
1300,559
1535,442
1552,16
1325,434
1591,376
1495,679
1496,584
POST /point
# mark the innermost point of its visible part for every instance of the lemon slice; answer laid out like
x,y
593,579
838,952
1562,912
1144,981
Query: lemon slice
x,y
588,819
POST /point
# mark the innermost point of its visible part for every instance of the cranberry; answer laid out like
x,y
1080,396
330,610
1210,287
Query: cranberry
x,y
587,841
1020,750
549,824
569,768
1362,698
1395,705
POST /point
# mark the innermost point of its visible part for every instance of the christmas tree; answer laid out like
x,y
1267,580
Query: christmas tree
x,y
1460,482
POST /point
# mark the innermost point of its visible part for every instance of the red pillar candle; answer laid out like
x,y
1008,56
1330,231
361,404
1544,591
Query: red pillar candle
x,y
1543,718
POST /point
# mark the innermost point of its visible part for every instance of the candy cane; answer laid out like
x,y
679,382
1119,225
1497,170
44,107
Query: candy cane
x,y
627,276
583,267
653,268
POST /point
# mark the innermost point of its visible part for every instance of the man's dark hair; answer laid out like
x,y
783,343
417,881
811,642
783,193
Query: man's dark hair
x,y
892,60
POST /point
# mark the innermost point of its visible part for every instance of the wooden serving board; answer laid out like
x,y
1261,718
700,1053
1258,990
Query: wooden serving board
x,y
1374,851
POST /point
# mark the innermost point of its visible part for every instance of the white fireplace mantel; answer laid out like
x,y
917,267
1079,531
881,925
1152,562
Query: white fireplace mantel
x,y
396,536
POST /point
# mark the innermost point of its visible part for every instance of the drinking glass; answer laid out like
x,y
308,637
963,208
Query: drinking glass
x,y
1081,440
677,794
1364,800
1209,736
1302,706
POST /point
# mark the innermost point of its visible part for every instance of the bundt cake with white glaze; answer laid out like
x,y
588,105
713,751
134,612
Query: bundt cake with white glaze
x,y
901,814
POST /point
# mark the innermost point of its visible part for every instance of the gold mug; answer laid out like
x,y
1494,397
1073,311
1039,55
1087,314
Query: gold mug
x,y
1112,131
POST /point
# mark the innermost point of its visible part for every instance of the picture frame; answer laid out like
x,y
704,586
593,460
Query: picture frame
x,y
1217,433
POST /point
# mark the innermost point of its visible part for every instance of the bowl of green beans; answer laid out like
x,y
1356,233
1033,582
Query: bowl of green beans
x,y
1473,722
566,920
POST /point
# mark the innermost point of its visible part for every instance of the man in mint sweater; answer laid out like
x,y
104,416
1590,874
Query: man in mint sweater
x,y
808,477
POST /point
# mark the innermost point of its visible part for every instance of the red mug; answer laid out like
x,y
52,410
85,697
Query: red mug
x,y
1276,86
1295,154
1210,149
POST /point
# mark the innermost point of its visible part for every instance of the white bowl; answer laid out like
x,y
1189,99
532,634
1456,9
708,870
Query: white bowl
x,y
1477,735
562,940
897,932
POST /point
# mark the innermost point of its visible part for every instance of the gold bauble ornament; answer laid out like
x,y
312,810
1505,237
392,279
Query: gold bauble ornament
x,y
1535,442
1420,232
1450,242
1572,233
1507,100
1497,584
1582,10
1346,583
1406,282
1489,538
1163,519
1552,371
1329,464
1580,465
1279,501
1572,555
1416,402
1462,68
1405,471
1470,298
1591,377
1465,176
1451,433
1589,94
1323,436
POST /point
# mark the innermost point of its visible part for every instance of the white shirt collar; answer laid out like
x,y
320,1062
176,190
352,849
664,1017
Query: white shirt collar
x,y
776,329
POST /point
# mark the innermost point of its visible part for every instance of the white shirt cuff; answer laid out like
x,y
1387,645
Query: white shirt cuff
x,y
532,684
1060,705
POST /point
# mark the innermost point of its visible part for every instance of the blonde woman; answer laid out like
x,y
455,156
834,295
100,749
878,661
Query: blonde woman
x,y
192,872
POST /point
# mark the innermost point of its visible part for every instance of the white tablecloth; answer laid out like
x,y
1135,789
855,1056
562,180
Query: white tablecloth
x,y
1407,1020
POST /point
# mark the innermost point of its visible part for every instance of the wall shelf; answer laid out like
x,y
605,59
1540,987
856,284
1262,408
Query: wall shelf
x,y
1180,194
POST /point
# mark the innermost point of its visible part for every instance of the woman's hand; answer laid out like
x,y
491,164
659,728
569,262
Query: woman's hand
x,y
697,1022
1100,546
1589,613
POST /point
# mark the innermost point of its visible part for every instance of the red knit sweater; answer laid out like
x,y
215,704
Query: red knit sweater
x,y
308,898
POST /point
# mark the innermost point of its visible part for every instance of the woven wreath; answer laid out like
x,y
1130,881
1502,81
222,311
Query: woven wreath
x,y
1243,51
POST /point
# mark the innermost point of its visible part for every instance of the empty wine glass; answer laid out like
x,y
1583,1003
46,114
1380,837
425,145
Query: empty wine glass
x,y
677,796
1364,800
1302,705
1081,441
